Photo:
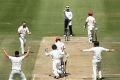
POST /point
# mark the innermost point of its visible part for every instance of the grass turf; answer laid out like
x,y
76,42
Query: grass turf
x,y
45,18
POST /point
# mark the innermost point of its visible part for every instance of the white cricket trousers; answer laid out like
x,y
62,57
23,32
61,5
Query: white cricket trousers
x,y
13,72
22,44
90,33
96,69
56,67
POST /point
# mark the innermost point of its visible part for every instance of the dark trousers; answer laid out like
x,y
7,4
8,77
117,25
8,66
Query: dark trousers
x,y
70,28
66,22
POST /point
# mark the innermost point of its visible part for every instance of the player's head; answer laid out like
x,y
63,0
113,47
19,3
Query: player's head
x,y
17,54
24,24
67,8
54,47
58,38
90,13
96,43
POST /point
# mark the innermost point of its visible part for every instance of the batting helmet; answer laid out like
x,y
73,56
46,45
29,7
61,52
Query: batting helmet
x,y
58,38
90,13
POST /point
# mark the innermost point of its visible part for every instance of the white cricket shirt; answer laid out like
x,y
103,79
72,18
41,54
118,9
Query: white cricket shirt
x,y
16,62
23,31
68,15
56,54
90,21
97,51
60,45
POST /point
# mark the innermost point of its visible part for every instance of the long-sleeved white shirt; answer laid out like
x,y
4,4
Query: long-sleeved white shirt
x,y
55,54
97,51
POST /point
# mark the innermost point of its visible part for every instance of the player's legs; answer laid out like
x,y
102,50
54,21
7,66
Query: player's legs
x,y
22,76
55,71
65,25
62,66
89,36
58,67
99,70
70,28
94,76
22,44
11,75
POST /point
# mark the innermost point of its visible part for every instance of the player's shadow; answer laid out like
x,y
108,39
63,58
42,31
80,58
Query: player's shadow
x,y
65,75
111,77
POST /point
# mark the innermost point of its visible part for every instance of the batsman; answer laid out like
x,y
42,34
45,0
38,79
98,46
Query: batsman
x,y
90,25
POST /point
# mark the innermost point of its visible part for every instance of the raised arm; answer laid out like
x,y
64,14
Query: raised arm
x,y
5,52
87,50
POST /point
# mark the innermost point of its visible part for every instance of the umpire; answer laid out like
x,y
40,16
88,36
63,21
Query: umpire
x,y
68,20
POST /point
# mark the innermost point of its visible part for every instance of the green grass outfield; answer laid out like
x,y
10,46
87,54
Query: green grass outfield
x,y
45,18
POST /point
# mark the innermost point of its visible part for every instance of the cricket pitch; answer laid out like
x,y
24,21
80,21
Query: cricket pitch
x,y
79,65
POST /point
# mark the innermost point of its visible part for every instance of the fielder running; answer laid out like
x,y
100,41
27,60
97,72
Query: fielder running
x,y
22,31
56,58
16,64
68,20
90,24
96,62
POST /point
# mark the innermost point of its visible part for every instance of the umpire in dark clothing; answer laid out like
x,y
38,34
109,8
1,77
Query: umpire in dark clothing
x,y
68,20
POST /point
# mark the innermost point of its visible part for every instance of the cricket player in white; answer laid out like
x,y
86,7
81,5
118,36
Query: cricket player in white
x,y
96,62
56,58
90,24
16,64
22,31
60,46
68,20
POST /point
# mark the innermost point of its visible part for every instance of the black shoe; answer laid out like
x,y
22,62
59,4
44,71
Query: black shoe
x,y
25,52
55,77
101,78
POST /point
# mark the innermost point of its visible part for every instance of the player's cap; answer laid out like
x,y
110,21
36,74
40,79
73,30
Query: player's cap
x,y
67,6
54,47
90,13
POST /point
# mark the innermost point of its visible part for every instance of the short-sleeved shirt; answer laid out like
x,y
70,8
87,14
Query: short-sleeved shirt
x,y
16,62
97,51
90,21
23,31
